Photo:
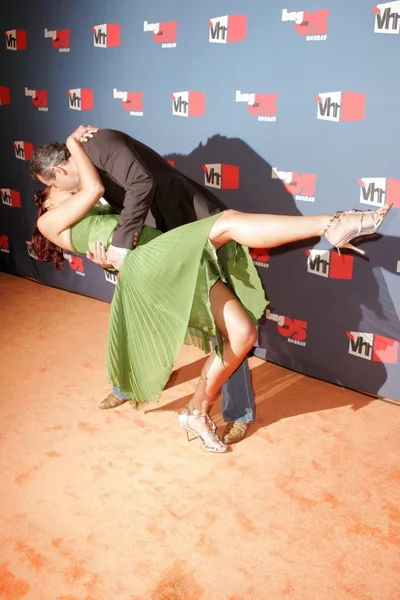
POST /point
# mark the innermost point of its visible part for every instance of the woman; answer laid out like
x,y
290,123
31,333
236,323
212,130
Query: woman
x,y
188,284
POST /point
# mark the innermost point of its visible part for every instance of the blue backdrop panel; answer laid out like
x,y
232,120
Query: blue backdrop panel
x,y
280,108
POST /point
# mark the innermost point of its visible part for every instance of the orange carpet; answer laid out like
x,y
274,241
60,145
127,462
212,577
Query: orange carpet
x,y
116,505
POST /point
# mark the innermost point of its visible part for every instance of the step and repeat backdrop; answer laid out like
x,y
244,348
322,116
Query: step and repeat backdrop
x,y
277,107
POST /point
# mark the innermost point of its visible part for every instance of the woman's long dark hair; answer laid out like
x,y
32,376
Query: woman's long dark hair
x,y
45,250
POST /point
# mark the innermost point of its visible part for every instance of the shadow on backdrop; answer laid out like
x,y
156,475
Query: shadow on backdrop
x,y
330,307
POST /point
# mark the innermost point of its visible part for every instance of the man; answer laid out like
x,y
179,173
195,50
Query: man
x,y
146,190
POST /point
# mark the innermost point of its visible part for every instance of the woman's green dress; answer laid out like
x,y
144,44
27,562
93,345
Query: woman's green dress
x,y
161,300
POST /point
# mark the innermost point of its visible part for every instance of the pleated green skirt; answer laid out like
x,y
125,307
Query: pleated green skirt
x,y
162,301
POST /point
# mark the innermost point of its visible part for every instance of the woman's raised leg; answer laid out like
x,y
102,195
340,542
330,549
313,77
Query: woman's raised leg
x,y
269,231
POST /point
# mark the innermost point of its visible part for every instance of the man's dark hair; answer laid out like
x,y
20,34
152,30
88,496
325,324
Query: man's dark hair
x,y
45,156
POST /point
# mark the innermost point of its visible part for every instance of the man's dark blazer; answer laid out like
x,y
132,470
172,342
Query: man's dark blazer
x,y
140,185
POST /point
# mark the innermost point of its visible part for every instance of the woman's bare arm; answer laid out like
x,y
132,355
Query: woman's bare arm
x,y
56,221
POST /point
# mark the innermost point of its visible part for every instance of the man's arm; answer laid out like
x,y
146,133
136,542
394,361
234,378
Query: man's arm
x,y
98,255
111,153
54,223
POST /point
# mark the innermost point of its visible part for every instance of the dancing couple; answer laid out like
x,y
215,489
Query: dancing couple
x,y
185,272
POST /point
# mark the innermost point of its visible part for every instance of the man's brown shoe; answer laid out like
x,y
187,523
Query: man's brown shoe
x,y
235,432
112,401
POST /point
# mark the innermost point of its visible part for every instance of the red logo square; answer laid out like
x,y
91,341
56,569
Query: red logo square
x,y
341,266
393,192
353,106
236,28
385,350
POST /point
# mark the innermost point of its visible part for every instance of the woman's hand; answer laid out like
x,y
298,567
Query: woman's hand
x,y
83,133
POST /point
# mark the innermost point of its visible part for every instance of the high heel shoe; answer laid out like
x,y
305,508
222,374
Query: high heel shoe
x,y
203,427
378,218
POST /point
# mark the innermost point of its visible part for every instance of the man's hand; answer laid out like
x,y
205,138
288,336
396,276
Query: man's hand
x,y
83,133
116,256
99,255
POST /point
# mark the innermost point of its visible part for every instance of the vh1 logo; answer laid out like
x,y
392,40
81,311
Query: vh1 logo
x,y
387,17
375,191
16,39
131,101
301,186
311,24
260,257
4,244
111,277
163,33
188,104
10,197
23,150
340,106
4,95
39,98
59,38
221,177
30,250
80,99
376,348
106,35
227,29
293,329
262,106
75,263
330,264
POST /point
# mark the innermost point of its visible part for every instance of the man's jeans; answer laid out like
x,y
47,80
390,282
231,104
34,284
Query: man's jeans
x,y
237,396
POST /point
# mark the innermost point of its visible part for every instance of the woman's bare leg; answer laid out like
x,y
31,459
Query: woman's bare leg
x,y
269,231
240,335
